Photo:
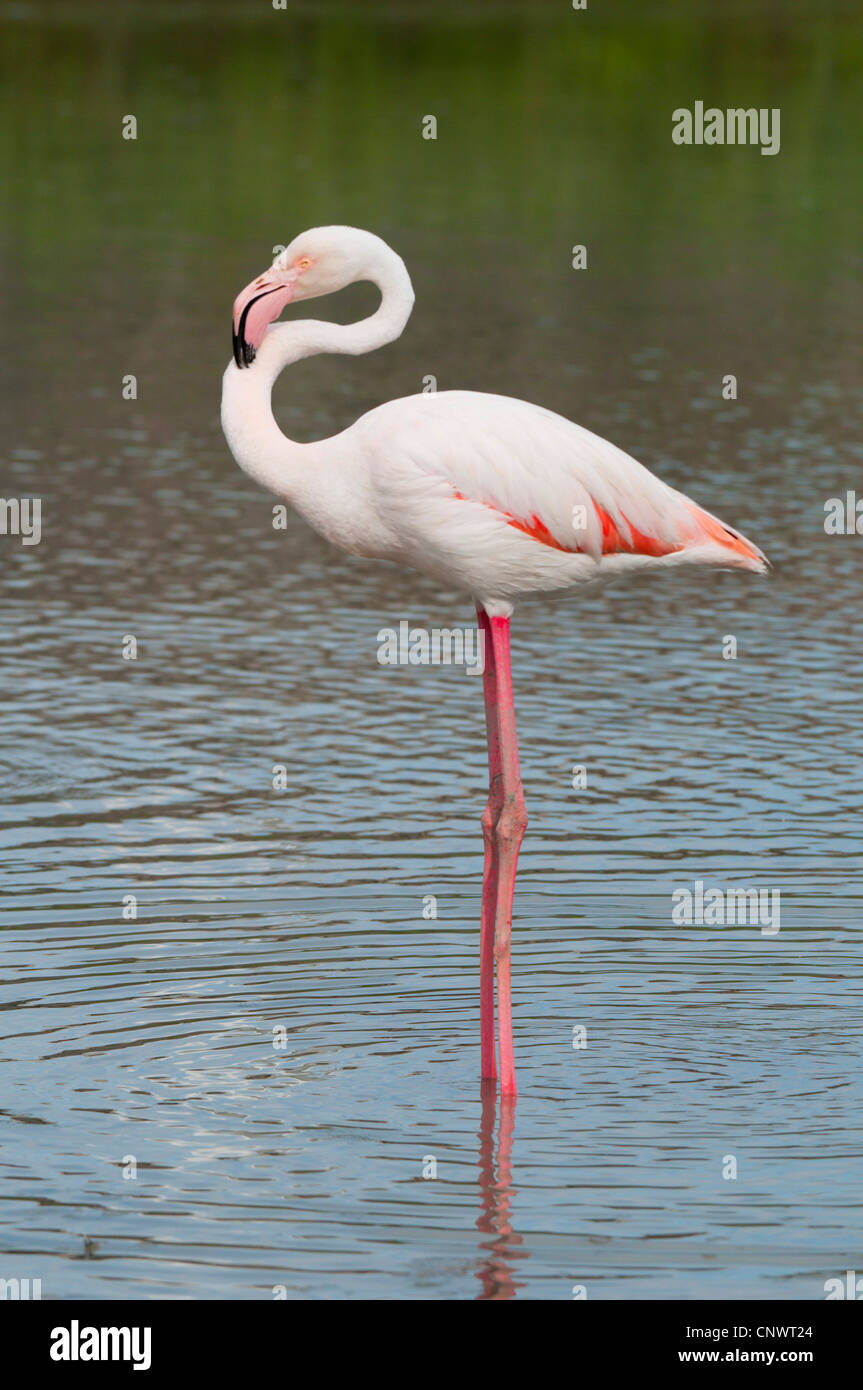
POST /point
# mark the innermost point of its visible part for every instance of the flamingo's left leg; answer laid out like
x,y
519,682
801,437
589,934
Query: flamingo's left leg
x,y
508,835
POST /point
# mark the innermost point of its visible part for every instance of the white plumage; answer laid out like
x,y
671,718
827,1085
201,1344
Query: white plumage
x,y
486,493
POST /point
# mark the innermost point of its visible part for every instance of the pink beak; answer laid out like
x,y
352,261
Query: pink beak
x,y
255,307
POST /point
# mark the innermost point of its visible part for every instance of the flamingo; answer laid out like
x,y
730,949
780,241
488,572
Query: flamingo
x,y
488,494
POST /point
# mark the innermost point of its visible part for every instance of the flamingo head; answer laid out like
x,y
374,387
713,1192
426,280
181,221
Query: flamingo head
x,y
317,262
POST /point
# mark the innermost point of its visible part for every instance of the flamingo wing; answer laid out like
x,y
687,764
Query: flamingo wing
x,y
537,474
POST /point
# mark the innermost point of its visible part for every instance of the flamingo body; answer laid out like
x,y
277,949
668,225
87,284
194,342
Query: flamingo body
x,y
498,497
487,494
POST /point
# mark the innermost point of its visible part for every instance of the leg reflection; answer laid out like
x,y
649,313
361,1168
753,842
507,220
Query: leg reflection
x,y
496,1272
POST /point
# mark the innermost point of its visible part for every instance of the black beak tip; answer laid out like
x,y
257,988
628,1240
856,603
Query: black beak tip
x,y
244,353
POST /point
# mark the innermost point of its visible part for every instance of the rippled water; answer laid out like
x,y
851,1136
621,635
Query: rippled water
x,y
302,1167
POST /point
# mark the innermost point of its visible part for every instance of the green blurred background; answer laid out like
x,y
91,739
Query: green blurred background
x,y
554,129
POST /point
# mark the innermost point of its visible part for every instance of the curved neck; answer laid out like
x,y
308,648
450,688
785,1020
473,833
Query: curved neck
x,y
254,437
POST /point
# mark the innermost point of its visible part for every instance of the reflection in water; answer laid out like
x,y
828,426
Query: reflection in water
x,y
496,1272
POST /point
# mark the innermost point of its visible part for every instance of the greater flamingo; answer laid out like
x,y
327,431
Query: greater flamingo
x,y
485,493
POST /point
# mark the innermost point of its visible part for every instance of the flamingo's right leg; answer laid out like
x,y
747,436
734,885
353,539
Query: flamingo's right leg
x,y
508,834
491,868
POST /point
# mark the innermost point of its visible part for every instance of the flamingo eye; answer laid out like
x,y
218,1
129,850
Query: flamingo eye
x,y
304,263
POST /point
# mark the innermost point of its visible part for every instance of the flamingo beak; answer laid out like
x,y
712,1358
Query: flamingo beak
x,y
255,307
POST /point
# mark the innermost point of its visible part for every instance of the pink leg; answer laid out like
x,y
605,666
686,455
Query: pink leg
x,y
490,868
508,834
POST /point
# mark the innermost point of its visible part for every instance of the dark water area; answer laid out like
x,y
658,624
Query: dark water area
x,y
300,1167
